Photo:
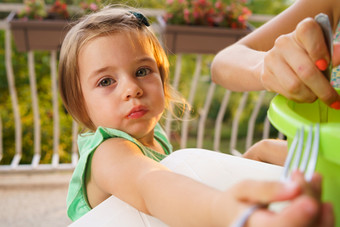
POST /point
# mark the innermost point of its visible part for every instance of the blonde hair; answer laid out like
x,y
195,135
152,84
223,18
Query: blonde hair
x,y
108,21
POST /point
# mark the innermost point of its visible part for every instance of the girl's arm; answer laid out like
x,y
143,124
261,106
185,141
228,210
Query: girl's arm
x,y
119,168
279,58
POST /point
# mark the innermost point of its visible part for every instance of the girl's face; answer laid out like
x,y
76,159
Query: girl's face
x,y
121,84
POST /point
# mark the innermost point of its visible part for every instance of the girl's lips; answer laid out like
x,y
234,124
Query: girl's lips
x,y
137,112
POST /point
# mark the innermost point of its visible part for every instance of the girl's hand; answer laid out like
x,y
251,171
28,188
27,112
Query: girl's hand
x,y
273,151
305,208
290,68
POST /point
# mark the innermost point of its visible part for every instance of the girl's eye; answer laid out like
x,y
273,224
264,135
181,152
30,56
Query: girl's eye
x,y
143,72
106,82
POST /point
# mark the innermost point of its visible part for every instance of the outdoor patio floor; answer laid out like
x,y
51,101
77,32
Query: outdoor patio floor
x,y
34,199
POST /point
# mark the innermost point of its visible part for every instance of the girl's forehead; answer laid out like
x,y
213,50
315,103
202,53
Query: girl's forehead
x,y
114,50
132,40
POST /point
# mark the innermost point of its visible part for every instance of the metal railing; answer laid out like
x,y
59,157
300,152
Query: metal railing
x,y
206,127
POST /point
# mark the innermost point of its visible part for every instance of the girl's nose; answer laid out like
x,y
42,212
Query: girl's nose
x,y
132,90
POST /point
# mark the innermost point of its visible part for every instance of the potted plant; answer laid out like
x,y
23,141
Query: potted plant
x,y
39,28
203,26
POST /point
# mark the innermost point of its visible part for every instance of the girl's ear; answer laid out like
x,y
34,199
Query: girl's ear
x,y
336,54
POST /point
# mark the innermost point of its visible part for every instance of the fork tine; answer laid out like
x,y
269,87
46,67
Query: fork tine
x,y
314,156
307,150
298,152
290,156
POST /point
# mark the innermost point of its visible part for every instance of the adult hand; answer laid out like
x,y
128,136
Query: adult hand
x,y
290,68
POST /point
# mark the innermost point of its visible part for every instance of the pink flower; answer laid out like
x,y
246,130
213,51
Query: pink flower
x,y
218,5
169,2
168,16
28,9
241,19
246,11
186,13
196,14
93,7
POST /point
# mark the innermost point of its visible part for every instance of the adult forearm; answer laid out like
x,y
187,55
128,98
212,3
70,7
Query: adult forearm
x,y
238,68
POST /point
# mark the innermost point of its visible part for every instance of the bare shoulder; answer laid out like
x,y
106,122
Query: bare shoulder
x,y
118,164
118,167
112,155
116,147
107,169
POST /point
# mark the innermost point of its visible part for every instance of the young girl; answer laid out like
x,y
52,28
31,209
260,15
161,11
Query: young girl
x,y
114,82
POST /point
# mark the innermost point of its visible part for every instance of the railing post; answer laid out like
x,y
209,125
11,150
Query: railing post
x,y
204,115
1,148
193,86
56,126
252,120
14,99
236,119
35,107
175,83
74,143
219,120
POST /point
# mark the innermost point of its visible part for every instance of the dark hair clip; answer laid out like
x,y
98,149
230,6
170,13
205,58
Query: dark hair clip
x,y
141,18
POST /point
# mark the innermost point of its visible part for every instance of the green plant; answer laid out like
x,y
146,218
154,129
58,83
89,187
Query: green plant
x,y
218,13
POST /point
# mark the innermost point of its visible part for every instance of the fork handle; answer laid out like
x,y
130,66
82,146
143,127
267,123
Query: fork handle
x,y
242,220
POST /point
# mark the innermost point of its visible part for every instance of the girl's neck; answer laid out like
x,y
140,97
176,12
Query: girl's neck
x,y
152,144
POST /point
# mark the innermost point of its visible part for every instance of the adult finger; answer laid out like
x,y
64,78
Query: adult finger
x,y
297,62
278,75
336,54
309,35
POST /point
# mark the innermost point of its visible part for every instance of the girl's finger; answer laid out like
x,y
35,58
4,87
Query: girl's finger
x,y
327,216
265,192
300,212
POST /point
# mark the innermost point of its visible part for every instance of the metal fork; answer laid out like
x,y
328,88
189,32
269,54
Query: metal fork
x,y
309,156
293,162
